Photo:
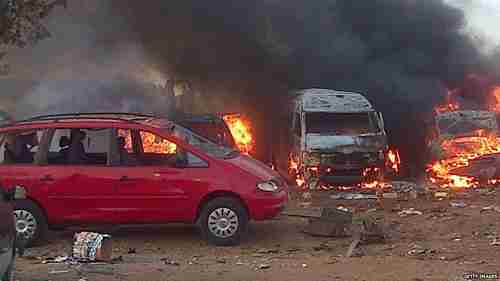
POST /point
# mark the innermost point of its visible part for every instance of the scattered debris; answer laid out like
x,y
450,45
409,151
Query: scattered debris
x,y
221,261
268,251
353,250
264,266
58,271
490,208
60,259
170,262
495,242
332,223
353,196
441,195
409,212
341,208
304,265
90,246
459,204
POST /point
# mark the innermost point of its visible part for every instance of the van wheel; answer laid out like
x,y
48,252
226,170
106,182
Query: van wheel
x,y
31,224
223,221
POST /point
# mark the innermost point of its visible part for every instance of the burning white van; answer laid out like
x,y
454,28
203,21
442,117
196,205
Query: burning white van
x,y
338,139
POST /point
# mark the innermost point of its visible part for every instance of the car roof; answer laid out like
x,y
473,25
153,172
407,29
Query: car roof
x,y
326,100
91,118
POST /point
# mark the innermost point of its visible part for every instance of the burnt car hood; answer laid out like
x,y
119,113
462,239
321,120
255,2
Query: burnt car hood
x,y
253,167
345,144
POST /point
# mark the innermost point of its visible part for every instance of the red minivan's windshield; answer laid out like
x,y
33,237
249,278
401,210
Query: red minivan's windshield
x,y
201,143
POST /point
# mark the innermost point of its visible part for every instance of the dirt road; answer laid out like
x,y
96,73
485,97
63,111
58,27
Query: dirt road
x,y
441,244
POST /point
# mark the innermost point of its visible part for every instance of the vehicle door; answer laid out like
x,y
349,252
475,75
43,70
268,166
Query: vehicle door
x,y
157,186
20,153
78,178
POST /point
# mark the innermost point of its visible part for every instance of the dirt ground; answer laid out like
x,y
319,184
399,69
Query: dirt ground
x,y
442,243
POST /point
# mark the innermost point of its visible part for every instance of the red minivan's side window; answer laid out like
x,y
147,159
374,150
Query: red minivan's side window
x,y
20,147
159,151
80,146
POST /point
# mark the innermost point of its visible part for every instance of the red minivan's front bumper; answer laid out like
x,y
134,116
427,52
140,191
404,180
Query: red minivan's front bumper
x,y
266,205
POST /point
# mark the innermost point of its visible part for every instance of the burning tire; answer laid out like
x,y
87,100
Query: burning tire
x,y
31,224
223,221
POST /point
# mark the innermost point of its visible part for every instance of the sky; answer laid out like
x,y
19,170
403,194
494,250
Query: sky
x,y
483,19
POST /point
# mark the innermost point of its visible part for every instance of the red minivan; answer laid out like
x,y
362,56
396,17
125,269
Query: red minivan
x,y
122,168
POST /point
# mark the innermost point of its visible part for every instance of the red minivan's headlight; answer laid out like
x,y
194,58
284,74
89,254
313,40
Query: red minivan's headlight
x,y
268,186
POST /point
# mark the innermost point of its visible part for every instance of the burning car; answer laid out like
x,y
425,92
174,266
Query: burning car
x,y
465,149
337,139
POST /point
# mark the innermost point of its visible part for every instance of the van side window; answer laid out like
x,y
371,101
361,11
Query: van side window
x,y
298,125
162,152
79,147
20,147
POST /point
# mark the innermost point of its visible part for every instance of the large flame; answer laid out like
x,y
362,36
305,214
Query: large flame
x,y
460,151
150,143
241,130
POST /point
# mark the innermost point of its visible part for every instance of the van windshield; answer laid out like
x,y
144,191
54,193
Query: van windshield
x,y
205,145
342,123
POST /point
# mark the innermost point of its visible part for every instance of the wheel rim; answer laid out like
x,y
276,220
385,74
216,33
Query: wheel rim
x,y
26,224
223,222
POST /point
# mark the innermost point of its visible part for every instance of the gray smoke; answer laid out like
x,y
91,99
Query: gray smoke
x,y
91,63
402,54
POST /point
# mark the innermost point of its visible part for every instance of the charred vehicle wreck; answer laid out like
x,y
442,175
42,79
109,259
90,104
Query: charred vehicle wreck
x,y
465,150
337,139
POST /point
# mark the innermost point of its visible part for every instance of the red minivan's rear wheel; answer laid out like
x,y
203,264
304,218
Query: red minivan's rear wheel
x,y
223,221
31,224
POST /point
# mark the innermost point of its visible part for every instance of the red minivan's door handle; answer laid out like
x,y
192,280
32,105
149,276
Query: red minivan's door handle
x,y
125,178
47,178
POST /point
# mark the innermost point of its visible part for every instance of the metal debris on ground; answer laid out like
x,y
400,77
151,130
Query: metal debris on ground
x,y
353,196
490,208
332,223
459,204
268,251
409,212
60,259
264,266
170,262
58,271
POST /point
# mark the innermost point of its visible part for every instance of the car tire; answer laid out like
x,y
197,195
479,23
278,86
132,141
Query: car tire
x,y
34,224
223,221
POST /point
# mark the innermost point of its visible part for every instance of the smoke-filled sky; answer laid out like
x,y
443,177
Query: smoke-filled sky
x,y
106,54
482,18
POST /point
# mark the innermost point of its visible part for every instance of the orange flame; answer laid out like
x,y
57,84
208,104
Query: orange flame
x,y
241,130
150,142
461,151
393,160
496,96
450,104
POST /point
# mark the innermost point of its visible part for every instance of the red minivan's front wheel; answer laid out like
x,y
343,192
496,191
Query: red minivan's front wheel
x,y
31,224
223,221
